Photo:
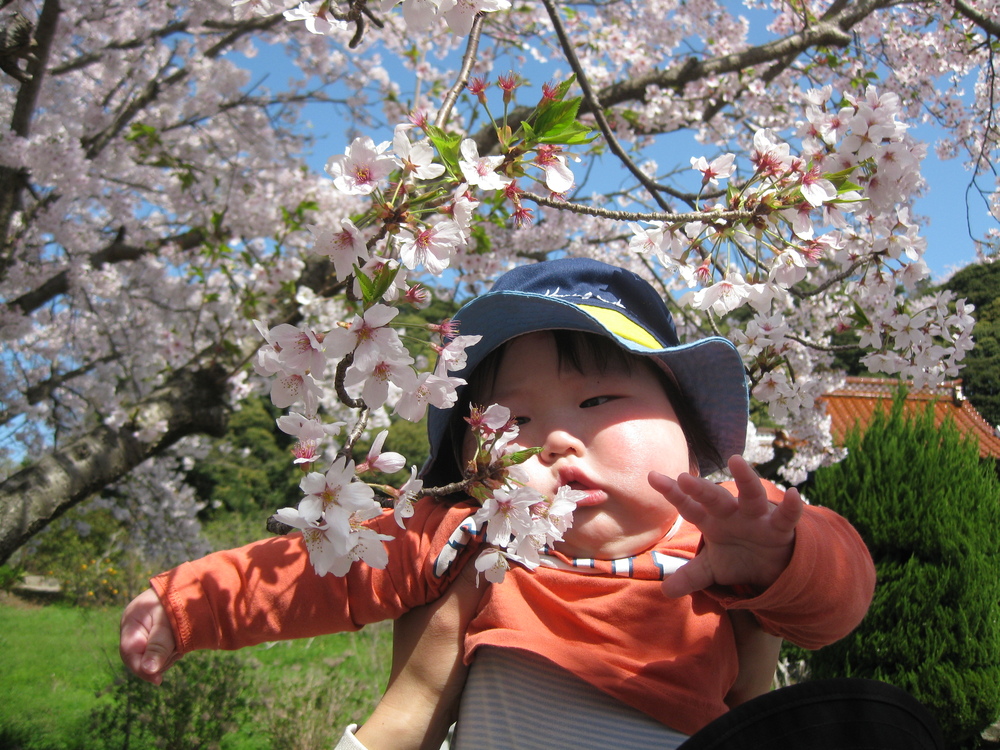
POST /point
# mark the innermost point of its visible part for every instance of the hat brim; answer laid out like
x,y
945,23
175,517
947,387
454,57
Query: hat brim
x,y
709,371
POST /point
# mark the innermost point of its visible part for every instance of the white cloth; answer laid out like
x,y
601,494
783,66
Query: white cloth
x,y
348,741
514,700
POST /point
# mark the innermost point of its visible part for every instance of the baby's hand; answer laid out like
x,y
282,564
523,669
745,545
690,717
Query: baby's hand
x,y
748,540
146,642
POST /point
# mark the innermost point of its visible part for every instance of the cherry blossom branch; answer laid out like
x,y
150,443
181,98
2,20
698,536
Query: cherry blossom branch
x,y
116,252
830,282
987,24
836,348
832,30
468,60
733,215
595,107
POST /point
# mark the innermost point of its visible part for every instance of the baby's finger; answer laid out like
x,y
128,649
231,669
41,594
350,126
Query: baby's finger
x,y
753,501
692,511
690,577
789,511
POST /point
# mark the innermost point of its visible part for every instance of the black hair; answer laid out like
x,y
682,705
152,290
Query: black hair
x,y
579,350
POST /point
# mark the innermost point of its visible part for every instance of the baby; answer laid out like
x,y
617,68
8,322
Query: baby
x,y
626,622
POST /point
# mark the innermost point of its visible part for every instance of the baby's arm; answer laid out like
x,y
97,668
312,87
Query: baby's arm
x,y
747,539
146,642
421,700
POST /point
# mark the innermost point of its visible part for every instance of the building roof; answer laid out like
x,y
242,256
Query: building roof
x,y
859,398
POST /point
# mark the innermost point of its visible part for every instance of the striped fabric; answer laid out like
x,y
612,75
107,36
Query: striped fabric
x,y
514,700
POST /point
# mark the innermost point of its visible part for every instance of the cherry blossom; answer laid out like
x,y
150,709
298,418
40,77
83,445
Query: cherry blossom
x,y
558,176
429,389
408,493
480,171
376,369
431,247
453,355
418,14
417,158
361,167
460,13
345,247
719,168
316,20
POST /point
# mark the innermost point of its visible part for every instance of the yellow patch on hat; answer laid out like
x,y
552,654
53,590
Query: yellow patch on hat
x,y
621,325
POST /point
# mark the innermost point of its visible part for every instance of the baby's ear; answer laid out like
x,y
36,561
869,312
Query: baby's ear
x,y
694,470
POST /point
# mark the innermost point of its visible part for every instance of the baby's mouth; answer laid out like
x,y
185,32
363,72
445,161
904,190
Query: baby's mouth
x,y
592,495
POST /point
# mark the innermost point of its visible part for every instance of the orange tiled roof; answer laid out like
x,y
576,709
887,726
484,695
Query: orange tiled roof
x,y
859,398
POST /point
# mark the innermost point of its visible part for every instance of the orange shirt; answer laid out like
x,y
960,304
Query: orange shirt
x,y
674,659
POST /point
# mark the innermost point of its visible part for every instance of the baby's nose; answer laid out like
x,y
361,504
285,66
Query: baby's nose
x,y
559,443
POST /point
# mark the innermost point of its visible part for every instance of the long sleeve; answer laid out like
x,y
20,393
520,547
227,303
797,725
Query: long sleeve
x,y
824,592
269,591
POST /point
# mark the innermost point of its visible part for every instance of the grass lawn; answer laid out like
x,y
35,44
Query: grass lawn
x,y
53,661
57,660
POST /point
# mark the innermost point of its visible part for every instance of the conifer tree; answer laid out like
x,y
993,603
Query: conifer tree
x,y
928,509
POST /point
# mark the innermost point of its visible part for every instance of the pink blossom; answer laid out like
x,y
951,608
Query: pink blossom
x,y
453,356
292,388
430,389
417,158
507,514
375,370
403,507
646,239
418,14
492,562
317,21
769,155
387,462
719,168
481,170
367,335
361,167
431,247
306,428
336,487
298,350
816,189
461,13
723,296
558,176
345,247
490,420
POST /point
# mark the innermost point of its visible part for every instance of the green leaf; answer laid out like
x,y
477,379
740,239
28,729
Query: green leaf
x,y
447,145
519,457
556,116
373,289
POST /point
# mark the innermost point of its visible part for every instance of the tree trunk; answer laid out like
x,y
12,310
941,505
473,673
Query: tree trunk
x,y
190,403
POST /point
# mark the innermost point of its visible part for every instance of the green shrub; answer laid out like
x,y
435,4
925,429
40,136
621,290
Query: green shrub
x,y
10,576
204,697
84,551
928,510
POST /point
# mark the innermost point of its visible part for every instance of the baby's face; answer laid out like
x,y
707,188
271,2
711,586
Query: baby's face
x,y
601,433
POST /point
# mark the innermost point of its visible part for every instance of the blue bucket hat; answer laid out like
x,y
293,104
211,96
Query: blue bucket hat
x,y
580,294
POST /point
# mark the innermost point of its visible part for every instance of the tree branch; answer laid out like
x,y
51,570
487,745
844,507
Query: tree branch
x,y
117,252
987,24
191,402
597,109
14,181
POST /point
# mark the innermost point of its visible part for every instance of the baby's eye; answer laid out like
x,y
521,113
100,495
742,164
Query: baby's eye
x,y
521,420
596,401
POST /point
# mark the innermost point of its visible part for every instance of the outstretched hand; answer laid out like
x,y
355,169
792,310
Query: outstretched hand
x,y
146,641
747,539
